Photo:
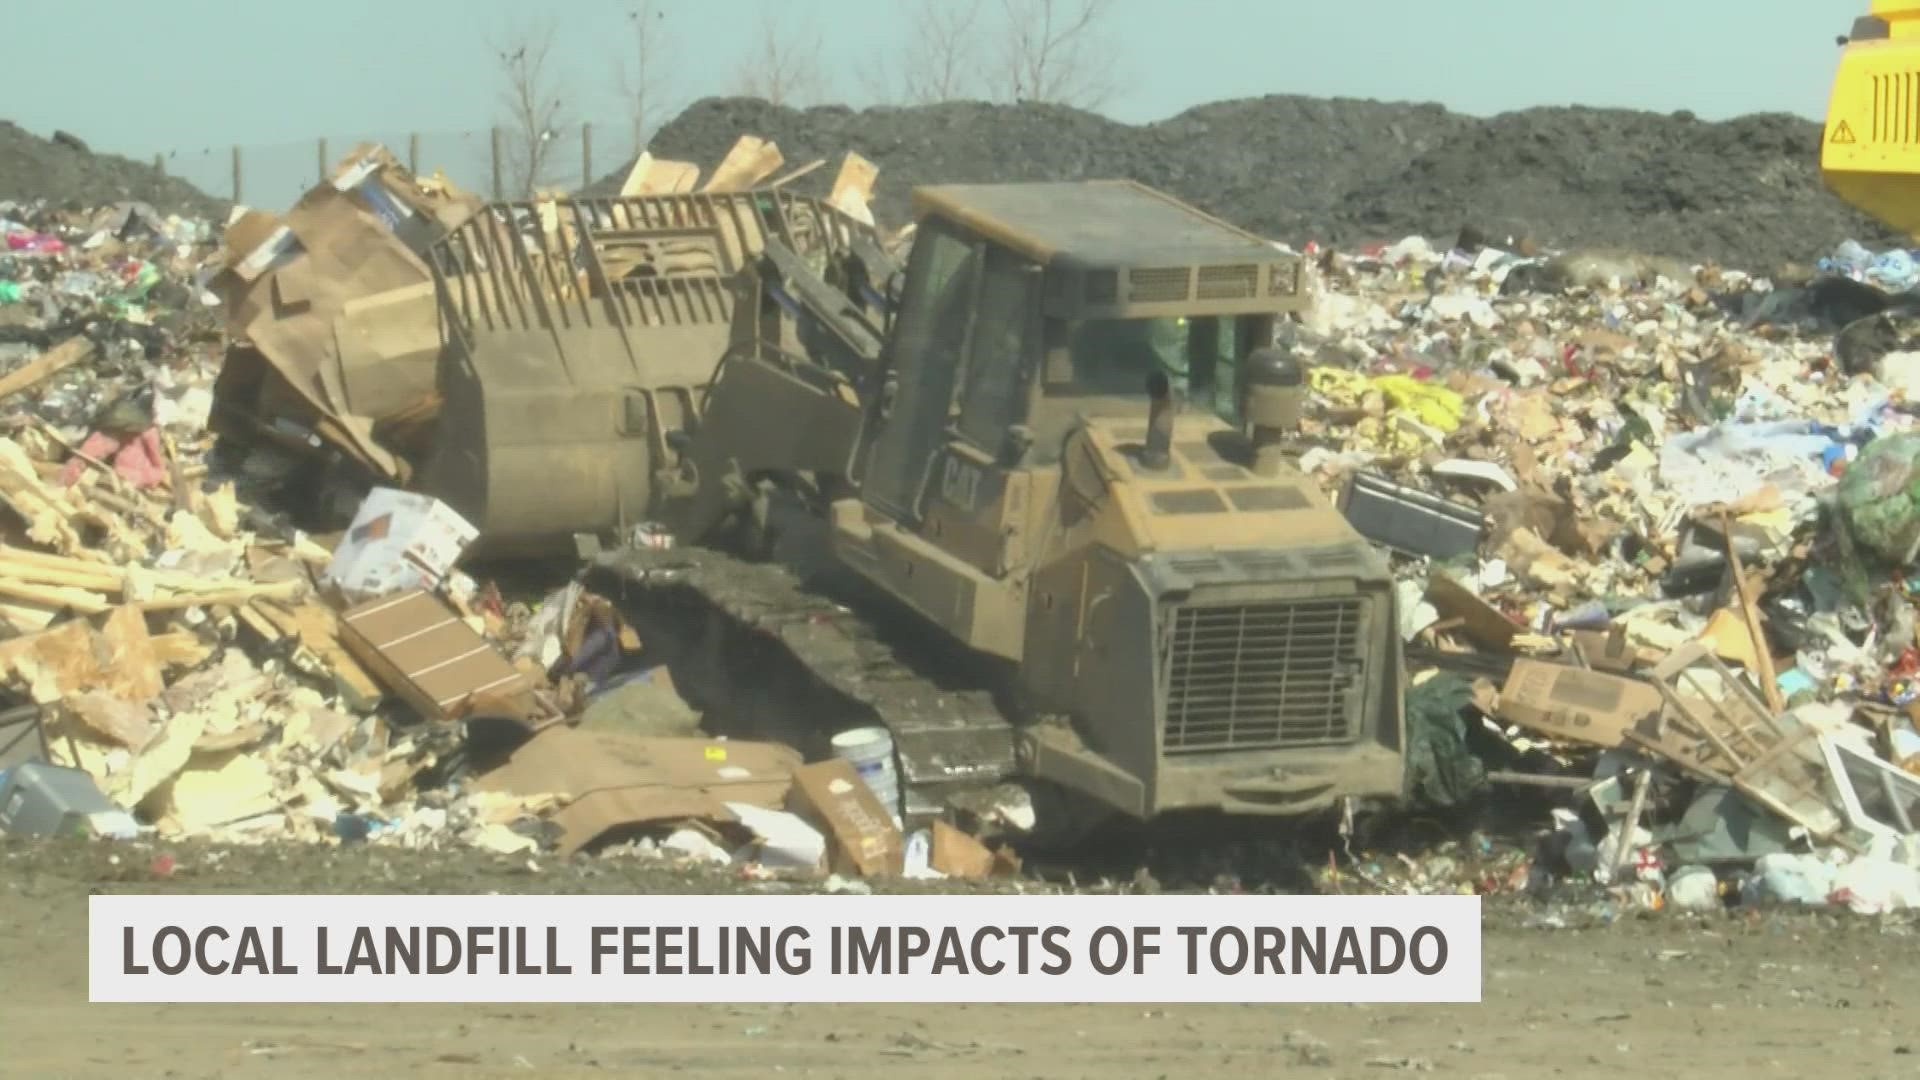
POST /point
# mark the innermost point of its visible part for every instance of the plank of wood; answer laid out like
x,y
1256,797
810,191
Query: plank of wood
x,y
45,366
118,576
751,160
279,590
1769,678
92,576
791,175
853,187
84,601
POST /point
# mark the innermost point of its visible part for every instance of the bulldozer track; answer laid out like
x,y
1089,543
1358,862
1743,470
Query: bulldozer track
x,y
763,655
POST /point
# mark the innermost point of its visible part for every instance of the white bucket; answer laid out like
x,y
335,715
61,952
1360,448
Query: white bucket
x,y
870,751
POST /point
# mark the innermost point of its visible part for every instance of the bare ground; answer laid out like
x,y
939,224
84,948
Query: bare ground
x,y
1790,995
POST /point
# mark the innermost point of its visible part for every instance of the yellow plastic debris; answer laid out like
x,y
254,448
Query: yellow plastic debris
x,y
1434,406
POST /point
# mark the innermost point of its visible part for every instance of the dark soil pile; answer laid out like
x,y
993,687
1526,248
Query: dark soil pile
x,y
65,172
1745,192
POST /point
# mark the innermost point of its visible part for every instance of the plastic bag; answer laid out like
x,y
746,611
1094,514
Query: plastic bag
x,y
1880,497
1895,271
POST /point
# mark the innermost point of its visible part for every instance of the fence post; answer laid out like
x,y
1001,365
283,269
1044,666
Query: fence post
x,y
236,174
498,188
586,154
413,153
320,157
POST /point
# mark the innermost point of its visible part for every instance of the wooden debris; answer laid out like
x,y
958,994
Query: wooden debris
x,y
117,657
48,516
853,188
309,634
117,721
181,649
751,161
277,590
1763,656
791,175
652,176
46,365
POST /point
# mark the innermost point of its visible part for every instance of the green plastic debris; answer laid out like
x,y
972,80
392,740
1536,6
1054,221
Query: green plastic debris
x,y
1879,496
142,283
9,292
1442,771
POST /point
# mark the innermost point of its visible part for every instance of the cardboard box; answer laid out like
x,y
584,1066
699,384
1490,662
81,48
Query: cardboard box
x,y
615,781
398,540
862,836
958,855
1576,704
419,646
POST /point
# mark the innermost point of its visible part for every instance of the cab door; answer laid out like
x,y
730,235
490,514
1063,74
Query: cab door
x,y
929,342
974,500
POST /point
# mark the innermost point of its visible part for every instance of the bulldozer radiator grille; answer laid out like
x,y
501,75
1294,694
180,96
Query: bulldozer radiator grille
x,y
1252,676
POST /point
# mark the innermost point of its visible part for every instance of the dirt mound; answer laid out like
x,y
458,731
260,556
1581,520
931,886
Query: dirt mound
x,y
1744,191
64,171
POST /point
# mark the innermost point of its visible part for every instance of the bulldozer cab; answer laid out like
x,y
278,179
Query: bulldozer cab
x,y
1030,307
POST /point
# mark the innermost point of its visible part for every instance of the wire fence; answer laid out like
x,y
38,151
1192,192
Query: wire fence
x,y
498,162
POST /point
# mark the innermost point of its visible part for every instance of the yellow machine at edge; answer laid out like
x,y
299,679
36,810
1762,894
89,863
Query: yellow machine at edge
x,y
1870,148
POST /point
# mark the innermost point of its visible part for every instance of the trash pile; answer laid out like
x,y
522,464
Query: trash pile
x,y
1652,520
1653,523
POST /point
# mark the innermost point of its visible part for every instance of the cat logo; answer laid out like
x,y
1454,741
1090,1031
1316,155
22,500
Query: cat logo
x,y
960,483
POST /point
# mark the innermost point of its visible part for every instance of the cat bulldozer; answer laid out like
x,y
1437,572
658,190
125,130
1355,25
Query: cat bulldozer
x,y
1026,499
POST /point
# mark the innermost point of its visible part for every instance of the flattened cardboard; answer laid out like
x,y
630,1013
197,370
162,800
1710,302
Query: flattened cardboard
x,y
419,646
863,839
615,780
386,347
959,855
1575,704
1481,621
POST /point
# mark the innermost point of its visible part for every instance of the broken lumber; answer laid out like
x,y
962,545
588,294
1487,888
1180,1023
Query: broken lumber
x,y
277,590
750,162
26,564
46,365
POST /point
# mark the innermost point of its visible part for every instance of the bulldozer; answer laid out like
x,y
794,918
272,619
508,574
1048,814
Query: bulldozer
x,y
1870,149
1044,465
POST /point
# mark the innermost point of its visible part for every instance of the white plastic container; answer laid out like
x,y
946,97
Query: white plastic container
x,y
870,751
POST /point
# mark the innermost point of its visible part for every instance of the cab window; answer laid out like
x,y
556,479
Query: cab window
x,y
1113,357
993,394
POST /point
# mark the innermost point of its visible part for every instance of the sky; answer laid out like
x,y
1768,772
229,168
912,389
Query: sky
x,y
190,78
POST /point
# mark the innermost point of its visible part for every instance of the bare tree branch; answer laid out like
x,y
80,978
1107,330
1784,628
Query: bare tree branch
x,y
1052,52
783,66
530,103
939,58
645,69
